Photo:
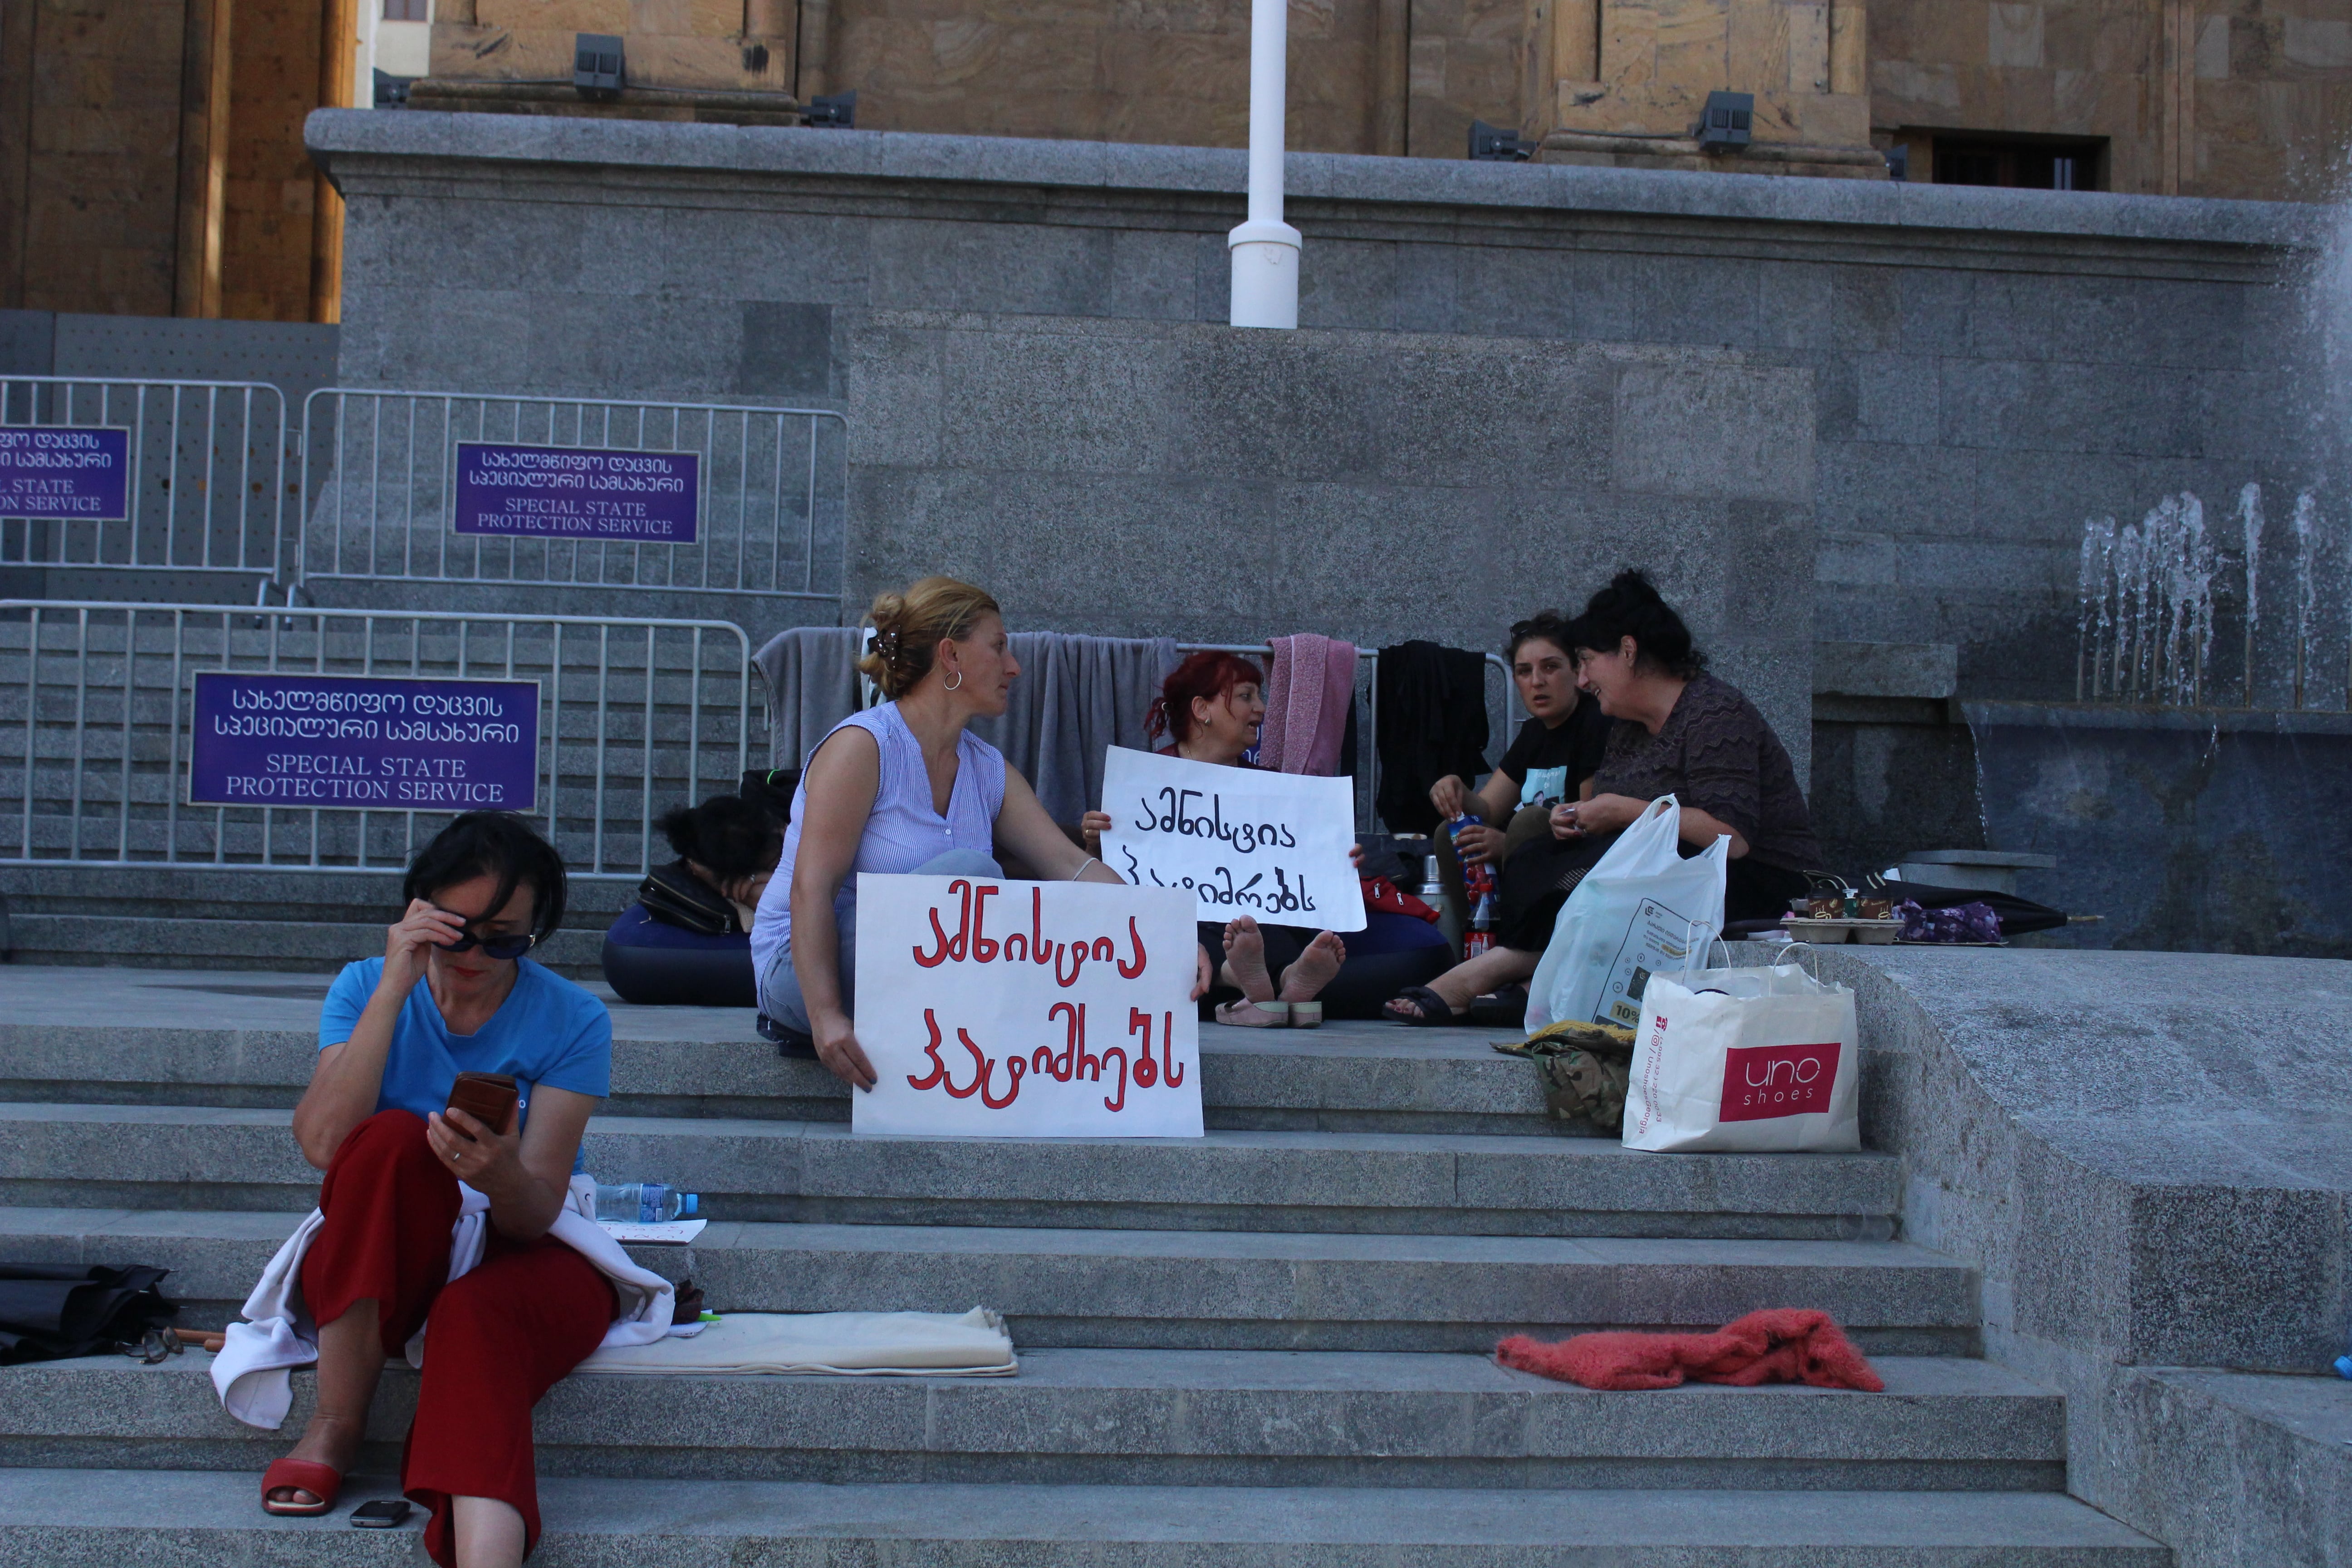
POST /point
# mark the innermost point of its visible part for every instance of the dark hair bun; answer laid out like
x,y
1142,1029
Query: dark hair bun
x,y
1631,606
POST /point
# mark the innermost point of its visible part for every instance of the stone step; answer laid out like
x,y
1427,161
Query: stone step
x,y
102,1519
1132,1417
232,1039
154,1156
1173,1290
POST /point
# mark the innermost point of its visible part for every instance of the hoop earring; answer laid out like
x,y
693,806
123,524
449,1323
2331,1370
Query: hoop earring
x,y
957,684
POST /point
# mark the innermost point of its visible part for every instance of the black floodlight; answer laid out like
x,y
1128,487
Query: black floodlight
x,y
838,112
1727,120
1898,164
599,69
1491,145
391,92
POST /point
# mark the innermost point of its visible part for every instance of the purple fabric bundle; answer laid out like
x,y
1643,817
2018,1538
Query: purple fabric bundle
x,y
1962,922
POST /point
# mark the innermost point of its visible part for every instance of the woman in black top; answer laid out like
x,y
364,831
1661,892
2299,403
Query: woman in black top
x,y
1677,730
1550,759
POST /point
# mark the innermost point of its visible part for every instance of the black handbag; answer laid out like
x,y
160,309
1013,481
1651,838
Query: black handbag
x,y
51,1312
676,896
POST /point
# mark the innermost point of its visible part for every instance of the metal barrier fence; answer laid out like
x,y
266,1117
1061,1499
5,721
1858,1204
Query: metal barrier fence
x,y
203,484
380,483
96,716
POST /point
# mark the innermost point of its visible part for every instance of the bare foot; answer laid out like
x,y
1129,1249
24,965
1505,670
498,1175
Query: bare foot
x,y
329,1440
1304,980
1246,960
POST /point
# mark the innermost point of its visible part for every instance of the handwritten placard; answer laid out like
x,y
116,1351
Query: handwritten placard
x,y
71,472
1241,841
379,742
578,492
1003,1009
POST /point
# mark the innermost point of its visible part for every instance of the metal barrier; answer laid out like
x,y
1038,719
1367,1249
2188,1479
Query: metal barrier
x,y
378,489
96,716
202,486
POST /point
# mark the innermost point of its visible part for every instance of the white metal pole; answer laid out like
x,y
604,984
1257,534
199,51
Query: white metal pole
x,y
1265,250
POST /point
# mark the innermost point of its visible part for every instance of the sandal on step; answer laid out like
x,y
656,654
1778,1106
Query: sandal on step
x,y
1434,1009
1248,1014
1307,1014
321,1481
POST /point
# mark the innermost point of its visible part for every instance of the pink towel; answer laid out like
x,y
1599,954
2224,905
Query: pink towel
x,y
1306,697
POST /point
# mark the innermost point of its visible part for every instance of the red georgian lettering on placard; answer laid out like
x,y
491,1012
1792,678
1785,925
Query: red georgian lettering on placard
x,y
1763,1081
973,943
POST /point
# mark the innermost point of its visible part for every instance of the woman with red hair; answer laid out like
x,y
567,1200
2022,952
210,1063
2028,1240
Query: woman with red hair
x,y
1210,709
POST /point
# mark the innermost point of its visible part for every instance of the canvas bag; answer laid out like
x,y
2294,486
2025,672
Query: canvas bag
x,y
1644,909
1745,1059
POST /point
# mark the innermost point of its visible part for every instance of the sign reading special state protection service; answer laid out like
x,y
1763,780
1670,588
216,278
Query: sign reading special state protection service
x,y
377,743
1243,841
578,492
1003,1009
70,471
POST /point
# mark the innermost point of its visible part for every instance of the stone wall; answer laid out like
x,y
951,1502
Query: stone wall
x,y
90,138
1217,484
2188,100
2142,1153
1987,368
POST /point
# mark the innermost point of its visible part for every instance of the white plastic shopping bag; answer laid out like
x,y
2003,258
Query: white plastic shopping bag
x,y
1643,911
1745,1059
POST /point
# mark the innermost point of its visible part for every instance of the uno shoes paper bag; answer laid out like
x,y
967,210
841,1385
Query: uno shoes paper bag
x,y
1747,1060
1643,911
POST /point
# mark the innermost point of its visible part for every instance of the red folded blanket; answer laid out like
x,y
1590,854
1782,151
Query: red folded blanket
x,y
1782,1344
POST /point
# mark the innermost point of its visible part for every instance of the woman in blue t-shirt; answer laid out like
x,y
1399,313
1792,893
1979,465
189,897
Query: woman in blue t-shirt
x,y
453,992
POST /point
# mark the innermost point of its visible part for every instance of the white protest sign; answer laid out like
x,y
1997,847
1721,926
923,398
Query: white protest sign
x,y
1003,1009
1243,841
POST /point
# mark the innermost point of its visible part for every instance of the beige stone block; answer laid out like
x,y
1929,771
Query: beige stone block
x,y
1312,19
1752,55
1484,78
2128,41
296,195
554,16
2322,42
1629,46
2212,60
1139,66
1947,32
2013,35
1809,47
1490,21
1905,93
1230,16
1831,119
1425,67
1849,49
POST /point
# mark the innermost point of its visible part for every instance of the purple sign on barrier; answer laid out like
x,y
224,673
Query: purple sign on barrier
x,y
80,472
578,492
383,743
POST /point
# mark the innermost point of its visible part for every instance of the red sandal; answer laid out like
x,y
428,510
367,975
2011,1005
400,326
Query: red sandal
x,y
321,1481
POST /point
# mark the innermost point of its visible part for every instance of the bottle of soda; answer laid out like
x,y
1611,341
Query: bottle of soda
x,y
645,1202
1478,884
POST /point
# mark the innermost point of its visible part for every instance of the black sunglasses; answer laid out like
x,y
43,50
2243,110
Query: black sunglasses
x,y
498,947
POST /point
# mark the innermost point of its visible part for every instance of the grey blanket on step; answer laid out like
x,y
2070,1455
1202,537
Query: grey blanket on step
x,y
811,676
1077,696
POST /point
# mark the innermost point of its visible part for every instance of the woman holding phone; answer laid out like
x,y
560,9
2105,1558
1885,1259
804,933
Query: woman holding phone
x,y
454,992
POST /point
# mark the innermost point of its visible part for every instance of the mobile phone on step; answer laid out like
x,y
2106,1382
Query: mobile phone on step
x,y
384,1513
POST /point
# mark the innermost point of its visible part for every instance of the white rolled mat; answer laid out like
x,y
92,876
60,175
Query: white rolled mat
x,y
865,1344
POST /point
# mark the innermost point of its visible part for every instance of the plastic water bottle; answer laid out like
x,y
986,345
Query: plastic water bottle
x,y
645,1202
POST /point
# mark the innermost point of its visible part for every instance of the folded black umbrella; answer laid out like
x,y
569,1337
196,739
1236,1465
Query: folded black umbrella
x,y
49,1311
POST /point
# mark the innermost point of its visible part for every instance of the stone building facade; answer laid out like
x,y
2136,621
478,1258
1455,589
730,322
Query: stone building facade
x,y
151,157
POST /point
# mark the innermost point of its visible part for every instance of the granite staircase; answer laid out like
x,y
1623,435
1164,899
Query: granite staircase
x,y
1268,1347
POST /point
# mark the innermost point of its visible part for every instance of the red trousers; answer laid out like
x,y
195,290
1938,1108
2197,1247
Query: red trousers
x,y
495,1340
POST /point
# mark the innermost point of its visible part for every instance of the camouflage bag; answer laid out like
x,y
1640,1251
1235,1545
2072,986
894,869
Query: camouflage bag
x,y
1582,1069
